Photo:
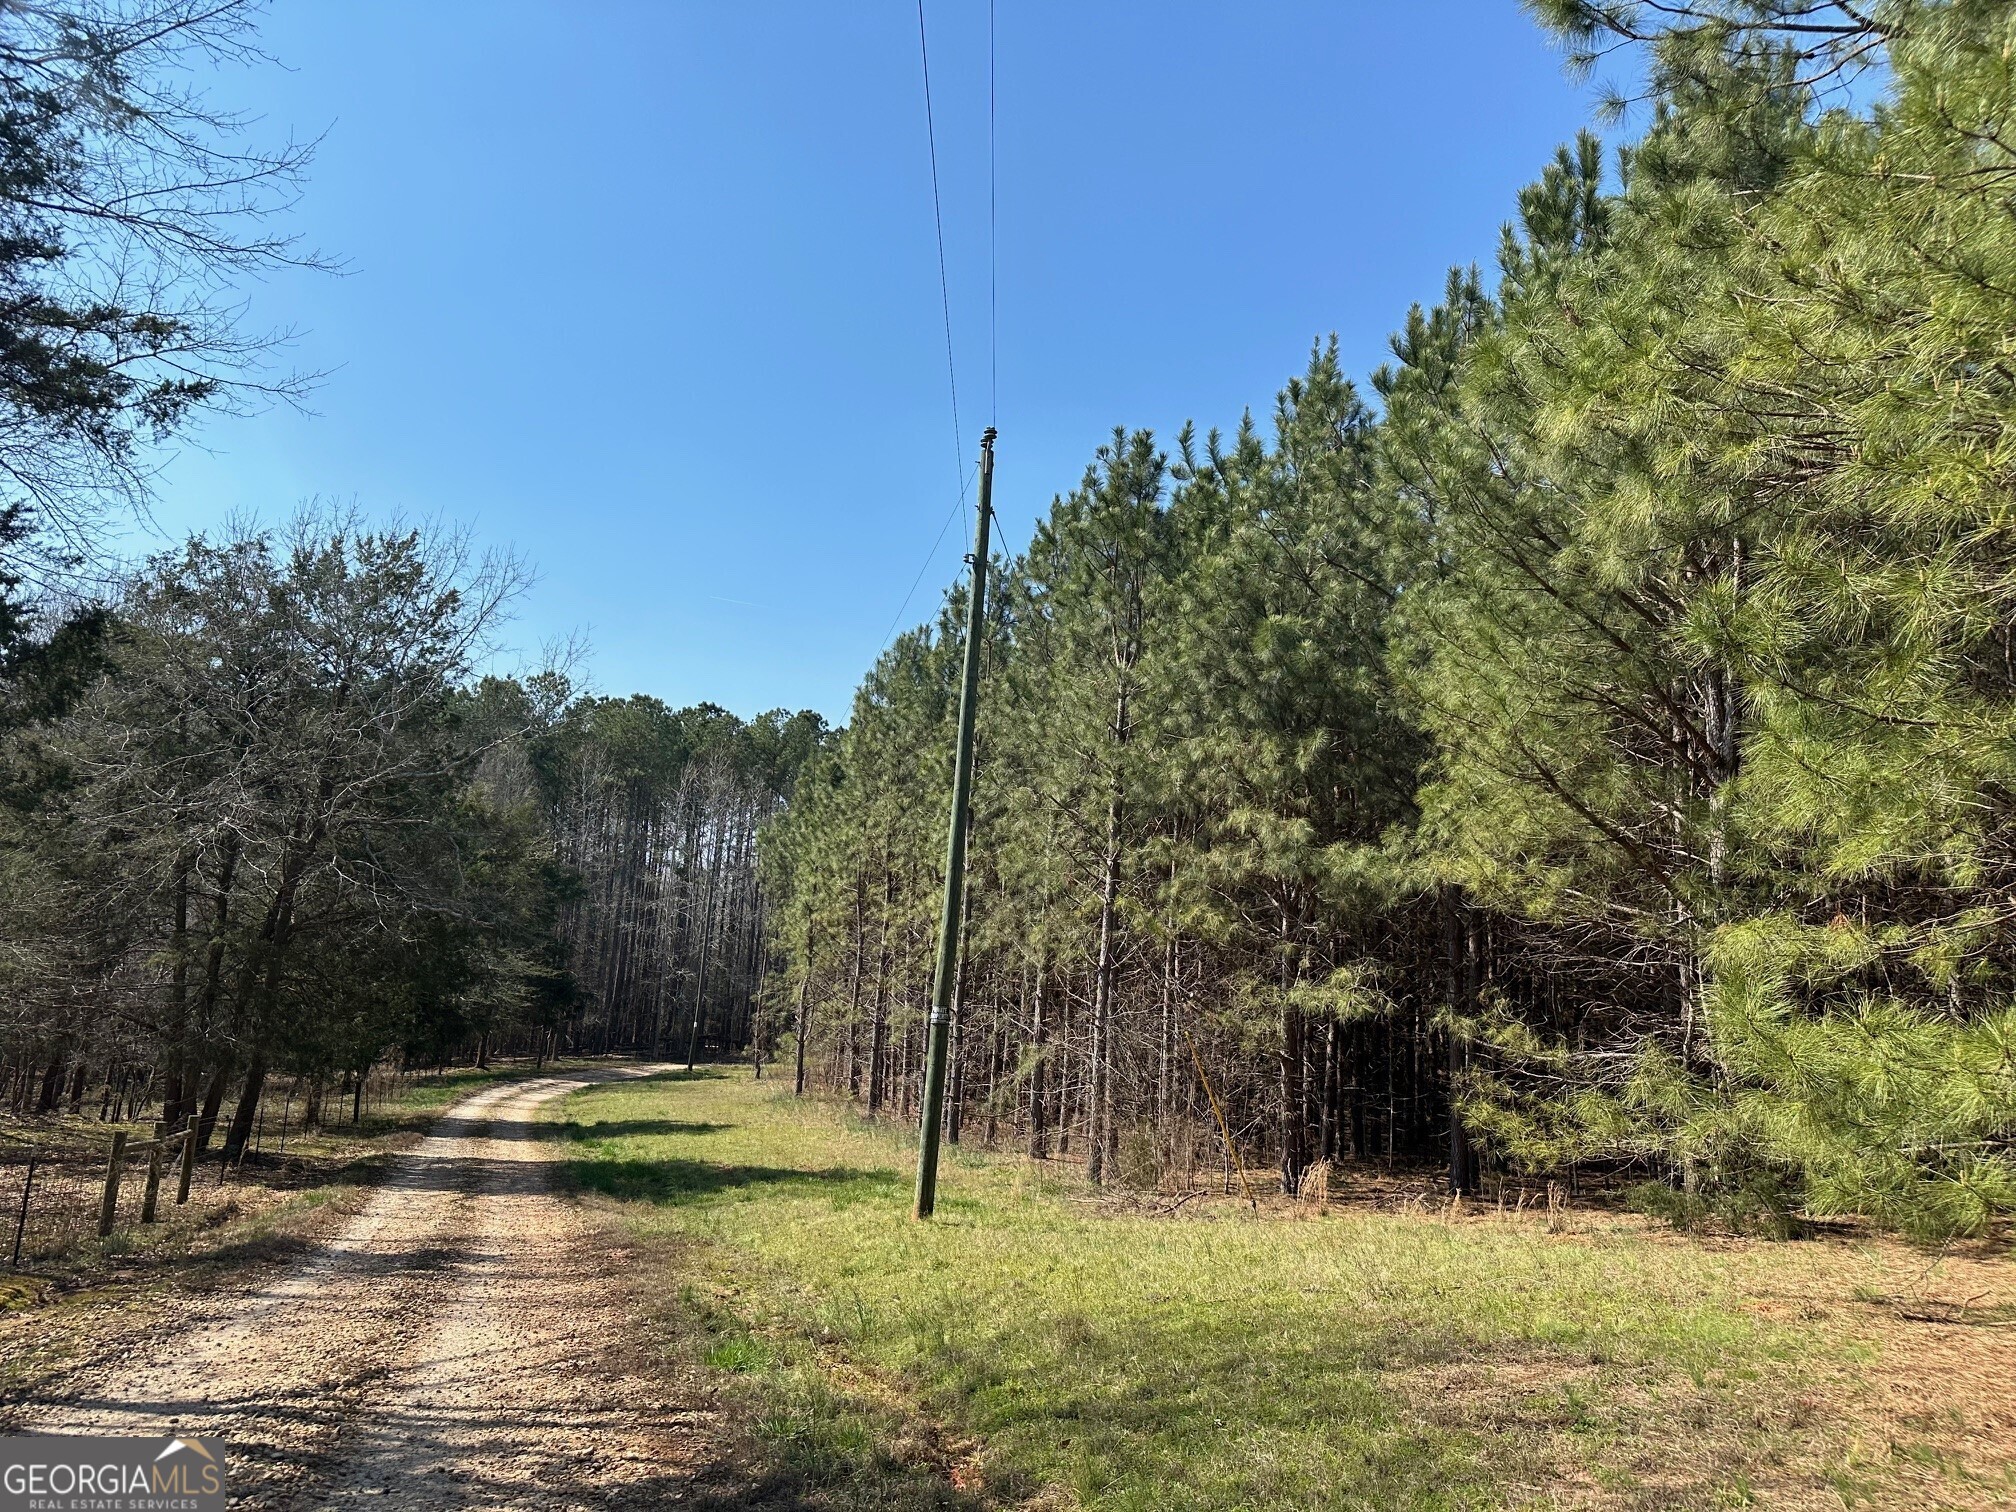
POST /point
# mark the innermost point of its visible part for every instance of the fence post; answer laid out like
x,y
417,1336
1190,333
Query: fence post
x,y
188,1162
152,1197
109,1210
21,1223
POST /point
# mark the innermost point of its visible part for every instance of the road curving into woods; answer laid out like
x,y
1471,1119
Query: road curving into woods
x,y
458,1344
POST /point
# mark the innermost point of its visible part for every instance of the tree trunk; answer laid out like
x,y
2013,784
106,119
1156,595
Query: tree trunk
x,y
175,1098
804,1017
1293,1125
213,1099
1463,989
1326,1140
854,987
700,968
248,1108
878,1040
52,1086
996,1044
1065,1106
1039,1108
1165,1049
1102,998
1358,1091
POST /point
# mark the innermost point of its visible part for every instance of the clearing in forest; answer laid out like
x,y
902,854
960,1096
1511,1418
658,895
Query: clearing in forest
x,y
1036,1345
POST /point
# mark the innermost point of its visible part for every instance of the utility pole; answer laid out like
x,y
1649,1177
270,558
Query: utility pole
x,y
955,849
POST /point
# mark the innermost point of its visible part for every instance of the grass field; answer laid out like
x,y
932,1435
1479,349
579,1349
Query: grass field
x,y
1035,1346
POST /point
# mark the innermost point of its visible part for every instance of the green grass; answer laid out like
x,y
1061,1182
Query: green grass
x,y
1030,1341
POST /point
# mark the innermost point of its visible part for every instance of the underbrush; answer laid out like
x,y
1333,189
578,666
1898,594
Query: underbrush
x,y
1761,1206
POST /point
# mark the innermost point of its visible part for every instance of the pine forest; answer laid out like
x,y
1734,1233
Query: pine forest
x,y
1443,940
1581,748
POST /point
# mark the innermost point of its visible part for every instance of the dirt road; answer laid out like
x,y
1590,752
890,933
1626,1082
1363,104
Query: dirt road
x,y
456,1345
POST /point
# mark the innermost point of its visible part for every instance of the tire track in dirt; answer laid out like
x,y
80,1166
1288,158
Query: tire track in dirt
x,y
457,1345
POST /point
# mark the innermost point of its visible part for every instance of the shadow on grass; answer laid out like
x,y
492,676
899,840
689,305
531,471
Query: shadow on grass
x,y
627,1128
679,1181
789,1439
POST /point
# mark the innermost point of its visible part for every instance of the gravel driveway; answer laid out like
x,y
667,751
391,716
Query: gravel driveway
x,y
457,1344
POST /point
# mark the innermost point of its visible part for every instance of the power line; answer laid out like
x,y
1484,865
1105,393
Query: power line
x,y
993,280
958,508
945,302
944,284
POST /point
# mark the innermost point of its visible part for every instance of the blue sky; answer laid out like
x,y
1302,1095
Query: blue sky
x,y
648,292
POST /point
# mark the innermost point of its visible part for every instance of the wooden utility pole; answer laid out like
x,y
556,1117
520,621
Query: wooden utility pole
x,y
943,977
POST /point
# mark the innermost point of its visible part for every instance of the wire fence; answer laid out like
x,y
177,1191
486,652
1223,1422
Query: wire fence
x,y
50,1209
59,1193
57,1199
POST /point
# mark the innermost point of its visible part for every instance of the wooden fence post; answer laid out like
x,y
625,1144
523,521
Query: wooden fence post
x,y
152,1197
21,1223
109,1210
188,1162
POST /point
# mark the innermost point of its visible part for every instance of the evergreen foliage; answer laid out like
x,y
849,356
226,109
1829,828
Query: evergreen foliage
x,y
1586,752
1598,755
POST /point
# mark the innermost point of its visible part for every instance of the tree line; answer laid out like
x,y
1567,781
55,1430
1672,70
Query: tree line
x,y
265,808
655,814
286,825
1587,754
